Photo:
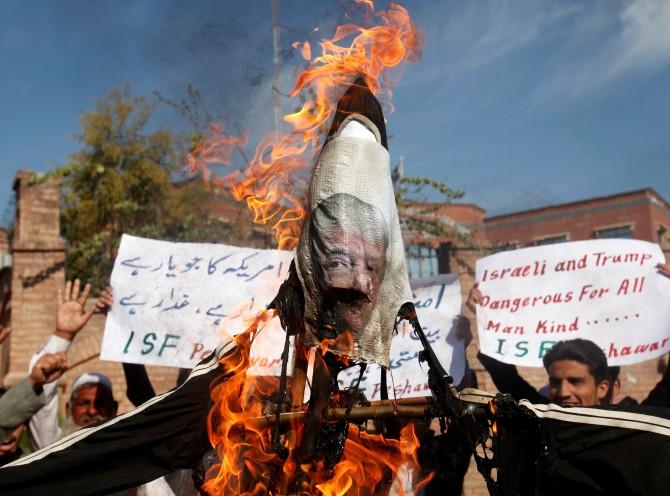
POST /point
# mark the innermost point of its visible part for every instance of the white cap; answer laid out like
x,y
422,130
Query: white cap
x,y
91,378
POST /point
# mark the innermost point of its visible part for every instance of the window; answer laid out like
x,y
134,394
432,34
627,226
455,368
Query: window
x,y
625,232
504,247
551,240
421,261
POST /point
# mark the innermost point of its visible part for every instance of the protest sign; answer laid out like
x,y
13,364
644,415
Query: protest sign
x,y
606,291
174,302
438,303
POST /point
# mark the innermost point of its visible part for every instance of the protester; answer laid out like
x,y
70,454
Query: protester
x,y
21,401
91,399
139,390
578,372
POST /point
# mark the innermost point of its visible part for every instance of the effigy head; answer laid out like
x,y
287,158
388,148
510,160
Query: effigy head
x,y
351,259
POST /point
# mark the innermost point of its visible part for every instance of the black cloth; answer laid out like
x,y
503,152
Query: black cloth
x,y
165,434
628,456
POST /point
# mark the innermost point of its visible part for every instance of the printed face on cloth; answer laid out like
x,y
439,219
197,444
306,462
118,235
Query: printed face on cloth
x,y
348,241
350,259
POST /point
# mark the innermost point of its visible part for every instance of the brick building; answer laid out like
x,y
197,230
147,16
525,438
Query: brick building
x,y
641,214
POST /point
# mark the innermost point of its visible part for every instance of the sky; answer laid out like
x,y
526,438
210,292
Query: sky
x,y
520,104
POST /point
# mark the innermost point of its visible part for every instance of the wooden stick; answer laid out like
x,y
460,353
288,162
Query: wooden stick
x,y
360,413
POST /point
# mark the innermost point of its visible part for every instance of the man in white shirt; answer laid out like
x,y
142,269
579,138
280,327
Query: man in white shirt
x,y
94,390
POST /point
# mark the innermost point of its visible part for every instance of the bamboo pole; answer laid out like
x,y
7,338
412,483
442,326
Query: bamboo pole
x,y
386,410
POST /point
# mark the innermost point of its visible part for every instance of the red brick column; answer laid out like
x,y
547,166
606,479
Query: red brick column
x,y
38,270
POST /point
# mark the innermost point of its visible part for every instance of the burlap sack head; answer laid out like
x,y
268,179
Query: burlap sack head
x,y
351,259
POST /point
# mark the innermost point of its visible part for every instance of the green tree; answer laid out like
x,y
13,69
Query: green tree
x,y
123,181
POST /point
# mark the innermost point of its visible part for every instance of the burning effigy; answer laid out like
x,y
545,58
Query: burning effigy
x,y
345,294
342,297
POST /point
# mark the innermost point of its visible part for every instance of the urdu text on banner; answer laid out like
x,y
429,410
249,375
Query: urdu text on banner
x,y
174,302
606,291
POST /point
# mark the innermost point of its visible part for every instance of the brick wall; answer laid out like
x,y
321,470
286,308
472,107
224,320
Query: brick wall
x,y
644,210
38,272
38,263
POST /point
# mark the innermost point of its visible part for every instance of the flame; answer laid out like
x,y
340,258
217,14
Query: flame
x,y
342,345
249,467
246,460
370,461
273,182
367,3
305,49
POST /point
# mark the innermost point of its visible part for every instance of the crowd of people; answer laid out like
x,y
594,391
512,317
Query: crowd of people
x,y
30,407
577,369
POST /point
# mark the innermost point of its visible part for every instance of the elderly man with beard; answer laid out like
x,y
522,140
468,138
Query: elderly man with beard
x,y
91,400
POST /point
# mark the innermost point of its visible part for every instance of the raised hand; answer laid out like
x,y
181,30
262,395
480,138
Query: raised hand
x,y
48,368
105,301
4,333
463,330
474,298
72,315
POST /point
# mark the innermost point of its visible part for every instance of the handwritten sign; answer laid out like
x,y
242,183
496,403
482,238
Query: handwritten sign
x,y
607,291
173,302
438,304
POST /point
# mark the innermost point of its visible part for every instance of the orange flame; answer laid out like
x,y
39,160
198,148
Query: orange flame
x,y
370,461
249,467
273,185
273,182
245,458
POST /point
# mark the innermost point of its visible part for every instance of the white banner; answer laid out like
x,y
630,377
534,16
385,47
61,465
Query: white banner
x,y
607,291
438,304
174,302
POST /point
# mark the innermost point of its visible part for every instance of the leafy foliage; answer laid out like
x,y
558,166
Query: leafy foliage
x,y
421,217
122,181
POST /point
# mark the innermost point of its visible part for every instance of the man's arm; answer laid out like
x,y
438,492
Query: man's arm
x,y
508,381
72,317
660,395
24,399
138,384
